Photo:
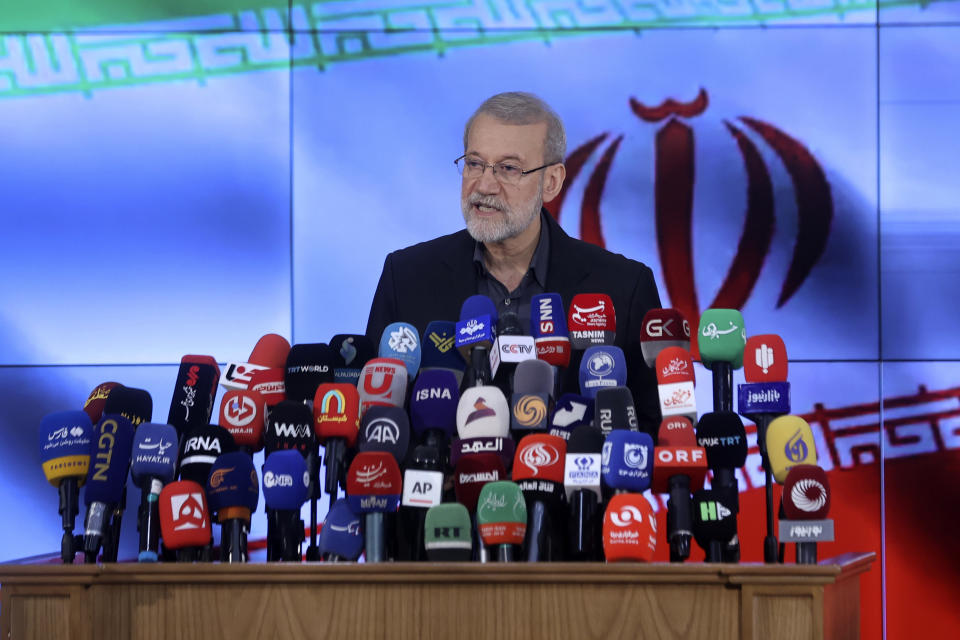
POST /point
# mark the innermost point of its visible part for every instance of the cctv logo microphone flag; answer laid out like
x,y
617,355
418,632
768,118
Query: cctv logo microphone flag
x,y
242,414
112,443
194,392
200,448
65,443
660,329
374,488
350,351
806,503
286,482
626,461
679,468
629,529
438,349
184,519
510,348
602,367
336,420
93,405
570,412
502,517
613,409
675,383
721,339
136,405
269,384
548,326
714,522
401,341
342,537
592,320
383,381
307,367
447,535
789,443
234,492
538,469
154,465
433,409
581,481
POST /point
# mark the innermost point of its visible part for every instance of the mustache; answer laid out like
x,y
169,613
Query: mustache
x,y
487,201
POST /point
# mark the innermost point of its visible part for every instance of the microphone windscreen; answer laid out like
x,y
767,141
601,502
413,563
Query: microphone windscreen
x,y
341,534
721,337
184,516
789,443
678,460
674,364
722,434
472,472
238,375
285,480
592,320
400,340
242,413
478,305
540,456
806,493
433,403
289,426
627,461
613,409
94,403
629,529
504,448
232,487
765,359
714,519
269,384
135,405
571,411
483,412
601,367
530,412
501,513
547,316
351,351
677,431
383,381
154,453
307,367
583,461
270,351
200,448
374,484
447,533
585,439
385,429
533,376
194,393
662,328
336,412
439,347
110,458
509,324
65,443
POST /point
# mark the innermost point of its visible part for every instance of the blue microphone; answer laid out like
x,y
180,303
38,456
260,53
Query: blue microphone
x,y
342,537
475,333
626,462
438,349
154,465
285,489
106,480
65,454
400,340
433,409
570,412
602,366
233,492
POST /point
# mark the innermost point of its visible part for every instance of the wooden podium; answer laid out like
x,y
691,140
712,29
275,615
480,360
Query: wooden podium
x,y
432,600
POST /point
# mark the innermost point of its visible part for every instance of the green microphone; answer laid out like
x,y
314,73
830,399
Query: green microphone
x,y
447,533
502,517
721,339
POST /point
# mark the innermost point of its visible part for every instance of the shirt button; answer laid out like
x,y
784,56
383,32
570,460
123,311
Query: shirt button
x,y
506,302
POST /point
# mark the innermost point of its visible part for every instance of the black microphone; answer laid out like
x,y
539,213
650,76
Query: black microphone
x,y
289,427
386,429
193,396
510,349
613,409
422,489
581,480
722,434
199,449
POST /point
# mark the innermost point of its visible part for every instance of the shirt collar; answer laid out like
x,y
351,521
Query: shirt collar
x,y
538,263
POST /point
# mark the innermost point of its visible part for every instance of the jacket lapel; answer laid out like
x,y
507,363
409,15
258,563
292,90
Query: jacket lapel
x,y
565,273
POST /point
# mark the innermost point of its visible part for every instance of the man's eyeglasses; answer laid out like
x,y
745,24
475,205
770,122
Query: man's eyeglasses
x,y
506,172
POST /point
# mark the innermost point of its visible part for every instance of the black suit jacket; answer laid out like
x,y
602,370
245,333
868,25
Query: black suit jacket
x,y
429,281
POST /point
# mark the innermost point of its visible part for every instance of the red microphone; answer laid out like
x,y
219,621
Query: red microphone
x,y
592,320
269,383
675,382
679,468
184,518
242,414
374,487
662,328
97,399
336,420
674,364
629,529
538,468
383,382
806,493
270,351
472,473
765,359
540,456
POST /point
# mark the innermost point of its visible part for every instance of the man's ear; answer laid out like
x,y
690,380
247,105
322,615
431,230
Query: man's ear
x,y
553,178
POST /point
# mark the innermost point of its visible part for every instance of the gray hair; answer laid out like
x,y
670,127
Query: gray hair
x,y
518,107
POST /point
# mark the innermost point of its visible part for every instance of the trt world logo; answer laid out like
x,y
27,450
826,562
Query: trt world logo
x,y
626,516
403,340
188,511
382,430
635,455
600,365
796,449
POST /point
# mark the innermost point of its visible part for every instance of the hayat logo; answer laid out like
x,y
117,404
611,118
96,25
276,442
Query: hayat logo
x,y
161,446
674,171
539,455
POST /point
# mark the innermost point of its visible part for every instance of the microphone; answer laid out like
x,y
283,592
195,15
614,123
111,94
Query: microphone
x,y
336,420
269,384
341,538
350,352
438,352
581,480
548,326
534,377
270,352
154,465
570,412
789,443
722,435
184,519
447,533
601,367
662,328
307,367
538,468
373,489
613,409
234,492
679,468
422,489
65,443
532,401
714,522
106,479
806,503
510,348
721,339
242,414
200,448
433,409
135,405
675,383
383,381
502,517
503,447
629,529
401,341
483,412
194,392
286,481
385,429
626,461
93,405
592,320
478,317
470,474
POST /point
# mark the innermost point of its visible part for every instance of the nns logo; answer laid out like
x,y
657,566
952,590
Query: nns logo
x,y
546,316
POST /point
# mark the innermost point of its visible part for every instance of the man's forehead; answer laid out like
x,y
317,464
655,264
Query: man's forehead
x,y
496,140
